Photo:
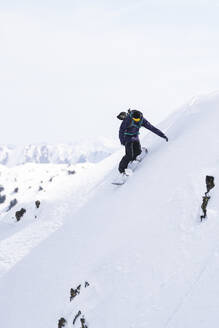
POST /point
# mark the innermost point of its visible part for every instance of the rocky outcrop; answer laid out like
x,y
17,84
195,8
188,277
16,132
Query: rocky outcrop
x,y
205,199
74,292
78,317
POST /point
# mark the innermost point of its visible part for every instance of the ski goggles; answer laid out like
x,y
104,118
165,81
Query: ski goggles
x,y
136,119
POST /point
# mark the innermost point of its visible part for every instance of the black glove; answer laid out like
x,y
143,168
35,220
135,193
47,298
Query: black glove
x,y
166,138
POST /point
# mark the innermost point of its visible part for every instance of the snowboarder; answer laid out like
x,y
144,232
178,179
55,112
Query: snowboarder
x,y
129,136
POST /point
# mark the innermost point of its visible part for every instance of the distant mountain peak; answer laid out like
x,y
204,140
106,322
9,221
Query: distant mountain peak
x,y
79,152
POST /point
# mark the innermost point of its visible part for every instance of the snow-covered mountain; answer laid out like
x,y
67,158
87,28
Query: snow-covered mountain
x,y
87,151
97,255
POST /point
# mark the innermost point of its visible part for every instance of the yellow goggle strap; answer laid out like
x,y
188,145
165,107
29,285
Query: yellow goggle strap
x,y
136,119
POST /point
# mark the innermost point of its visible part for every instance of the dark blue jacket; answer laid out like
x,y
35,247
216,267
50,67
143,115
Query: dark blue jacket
x,y
130,129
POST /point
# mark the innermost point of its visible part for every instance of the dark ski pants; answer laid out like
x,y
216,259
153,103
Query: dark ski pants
x,y
132,150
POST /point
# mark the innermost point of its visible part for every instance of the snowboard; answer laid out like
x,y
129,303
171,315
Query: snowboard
x,y
131,168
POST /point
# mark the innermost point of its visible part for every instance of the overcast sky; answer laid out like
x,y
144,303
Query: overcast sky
x,y
68,67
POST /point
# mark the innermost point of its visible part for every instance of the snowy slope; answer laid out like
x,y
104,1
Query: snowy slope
x,y
148,259
59,188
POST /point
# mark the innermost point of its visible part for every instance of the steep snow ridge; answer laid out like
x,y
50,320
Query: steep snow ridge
x,y
149,260
85,151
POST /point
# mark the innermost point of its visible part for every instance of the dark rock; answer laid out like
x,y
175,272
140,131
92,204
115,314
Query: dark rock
x,y
2,199
205,199
83,323
209,183
74,292
76,317
40,188
86,284
204,206
37,203
2,188
62,322
15,190
12,204
20,213
71,172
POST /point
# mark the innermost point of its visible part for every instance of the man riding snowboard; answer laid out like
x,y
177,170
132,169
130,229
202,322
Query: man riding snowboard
x,y
129,137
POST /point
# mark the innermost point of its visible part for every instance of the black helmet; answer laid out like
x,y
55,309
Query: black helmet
x,y
136,114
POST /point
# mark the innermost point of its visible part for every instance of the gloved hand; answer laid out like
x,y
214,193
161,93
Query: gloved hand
x,y
166,138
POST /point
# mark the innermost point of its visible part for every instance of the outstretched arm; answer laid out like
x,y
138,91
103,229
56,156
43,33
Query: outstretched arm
x,y
152,128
